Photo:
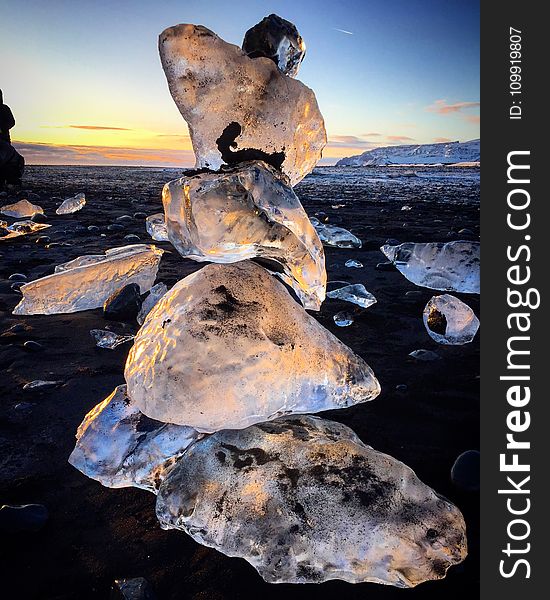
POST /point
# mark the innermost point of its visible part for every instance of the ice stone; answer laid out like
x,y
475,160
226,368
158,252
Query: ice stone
x,y
156,227
21,209
424,355
240,108
354,264
71,205
245,212
332,235
120,447
155,294
279,40
343,319
87,281
453,266
356,294
303,500
109,339
20,228
227,347
449,321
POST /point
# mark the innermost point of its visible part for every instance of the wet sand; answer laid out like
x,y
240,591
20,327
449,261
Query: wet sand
x,y
95,534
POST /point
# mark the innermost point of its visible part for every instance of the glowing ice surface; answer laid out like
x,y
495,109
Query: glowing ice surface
x,y
449,321
21,209
332,235
20,228
156,227
356,294
71,205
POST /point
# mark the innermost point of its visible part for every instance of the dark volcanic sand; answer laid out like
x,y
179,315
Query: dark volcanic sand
x,y
95,534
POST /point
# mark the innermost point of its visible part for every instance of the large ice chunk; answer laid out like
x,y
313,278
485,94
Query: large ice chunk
x,y
120,447
240,108
449,321
155,294
87,281
245,212
227,347
72,205
21,209
20,228
332,235
279,40
304,500
453,266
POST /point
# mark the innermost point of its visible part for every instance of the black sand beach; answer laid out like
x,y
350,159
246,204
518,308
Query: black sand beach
x,y
94,534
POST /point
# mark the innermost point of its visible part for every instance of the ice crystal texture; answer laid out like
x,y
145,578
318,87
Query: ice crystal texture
x,y
248,211
227,347
20,228
356,294
453,266
156,227
332,235
71,205
120,447
449,321
304,501
240,108
109,339
155,294
87,281
21,209
279,40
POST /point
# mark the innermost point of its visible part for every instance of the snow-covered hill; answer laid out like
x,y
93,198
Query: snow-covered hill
x,y
424,154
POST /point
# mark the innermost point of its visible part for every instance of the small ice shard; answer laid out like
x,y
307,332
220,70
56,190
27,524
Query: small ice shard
x,y
240,108
20,228
155,294
331,235
424,355
156,227
449,321
354,264
87,281
227,347
279,40
245,212
343,319
303,500
40,385
406,207
453,266
355,293
71,205
21,209
108,339
120,447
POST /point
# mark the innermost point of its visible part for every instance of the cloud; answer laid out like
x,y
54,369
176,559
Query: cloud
x,y
371,134
472,119
343,31
349,141
441,107
99,128
442,140
399,138
58,154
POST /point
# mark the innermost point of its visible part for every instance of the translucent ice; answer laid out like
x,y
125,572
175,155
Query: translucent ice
x,y
21,209
227,347
303,500
343,319
71,205
449,321
331,235
109,339
354,264
20,228
279,40
155,294
356,294
156,227
120,447
240,108
245,212
87,281
453,266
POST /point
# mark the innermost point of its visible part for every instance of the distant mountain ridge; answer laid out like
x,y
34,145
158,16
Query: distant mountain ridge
x,y
416,154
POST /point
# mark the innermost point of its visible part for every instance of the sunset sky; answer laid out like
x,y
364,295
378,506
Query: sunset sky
x,y
84,81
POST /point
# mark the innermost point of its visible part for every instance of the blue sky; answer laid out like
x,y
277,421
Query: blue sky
x,y
85,82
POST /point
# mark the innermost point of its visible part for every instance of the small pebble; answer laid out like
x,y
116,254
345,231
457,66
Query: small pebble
x,y
401,387
93,228
124,304
385,266
391,242
16,287
424,355
465,471
414,294
137,588
39,218
140,215
124,219
32,346
115,227
43,239
39,385
132,237
17,277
